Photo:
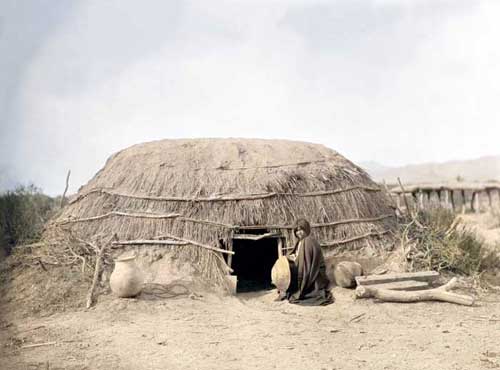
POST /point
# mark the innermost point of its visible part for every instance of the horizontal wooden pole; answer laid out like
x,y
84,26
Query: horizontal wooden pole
x,y
255,237
149,241
233,197
317,225
403,285
178,242
207,222
122,214
349,240
390,278
215,223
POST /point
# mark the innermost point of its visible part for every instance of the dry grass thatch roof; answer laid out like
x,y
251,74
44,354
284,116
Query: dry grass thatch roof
x,y
197,192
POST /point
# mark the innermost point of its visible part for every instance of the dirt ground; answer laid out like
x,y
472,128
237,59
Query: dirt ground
x,y
252,331
486,225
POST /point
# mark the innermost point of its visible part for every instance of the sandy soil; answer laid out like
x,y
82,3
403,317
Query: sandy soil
x,y
252,331
486,225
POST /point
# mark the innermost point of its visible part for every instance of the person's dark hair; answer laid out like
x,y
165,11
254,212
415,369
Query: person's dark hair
x,y
303,224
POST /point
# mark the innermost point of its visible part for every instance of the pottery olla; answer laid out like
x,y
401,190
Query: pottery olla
x,y
126,280
345,273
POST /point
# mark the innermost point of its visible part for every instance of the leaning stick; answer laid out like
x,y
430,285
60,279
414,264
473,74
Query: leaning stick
x,y
349,240
196,243
408,209
90,296
436,294
224,263
65,190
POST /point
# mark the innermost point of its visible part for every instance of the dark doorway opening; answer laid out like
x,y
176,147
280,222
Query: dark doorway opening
x,y
252,263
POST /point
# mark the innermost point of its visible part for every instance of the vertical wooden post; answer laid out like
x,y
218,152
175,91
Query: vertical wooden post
x,y
452,198
230,256
420,200
280,247
475,202
444,199
462,191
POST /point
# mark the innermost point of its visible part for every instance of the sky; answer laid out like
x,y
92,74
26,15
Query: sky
x,y
391,81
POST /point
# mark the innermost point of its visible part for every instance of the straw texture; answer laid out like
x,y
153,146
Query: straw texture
x,y
204,190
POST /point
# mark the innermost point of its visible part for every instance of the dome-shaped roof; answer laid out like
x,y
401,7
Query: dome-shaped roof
x,y
205,167
204,191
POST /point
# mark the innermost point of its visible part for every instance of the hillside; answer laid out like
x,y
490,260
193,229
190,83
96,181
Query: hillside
x,y
481,169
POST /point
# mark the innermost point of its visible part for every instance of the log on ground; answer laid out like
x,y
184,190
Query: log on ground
x,y
437,294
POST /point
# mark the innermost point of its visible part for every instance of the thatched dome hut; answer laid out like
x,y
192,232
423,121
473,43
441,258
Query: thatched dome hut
x,y
228,205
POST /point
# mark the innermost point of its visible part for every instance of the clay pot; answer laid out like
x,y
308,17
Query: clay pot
x,y
126,280
345,273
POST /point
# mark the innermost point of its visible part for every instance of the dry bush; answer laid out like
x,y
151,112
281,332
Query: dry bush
x,y
438,240
494,218
23,214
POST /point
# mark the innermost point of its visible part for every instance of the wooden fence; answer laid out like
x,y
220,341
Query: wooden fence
x,y
459,197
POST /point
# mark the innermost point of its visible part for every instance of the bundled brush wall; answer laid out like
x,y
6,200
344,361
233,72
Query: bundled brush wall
x,y
194,191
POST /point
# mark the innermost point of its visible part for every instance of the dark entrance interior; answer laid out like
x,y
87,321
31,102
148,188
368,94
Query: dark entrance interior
x,y
252,263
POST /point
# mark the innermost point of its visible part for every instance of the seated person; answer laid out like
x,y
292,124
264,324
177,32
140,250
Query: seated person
x,y
311,285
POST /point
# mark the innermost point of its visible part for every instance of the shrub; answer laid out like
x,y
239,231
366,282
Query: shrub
x,y
437,240
23,212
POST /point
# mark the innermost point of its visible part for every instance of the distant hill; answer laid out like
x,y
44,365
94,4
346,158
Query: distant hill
x,y
481,169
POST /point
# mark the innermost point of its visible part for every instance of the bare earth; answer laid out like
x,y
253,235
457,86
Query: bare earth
x,y
251,331
254,332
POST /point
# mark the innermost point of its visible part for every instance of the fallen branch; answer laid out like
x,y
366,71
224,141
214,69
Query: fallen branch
x,y
437,294
357,317
38,345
